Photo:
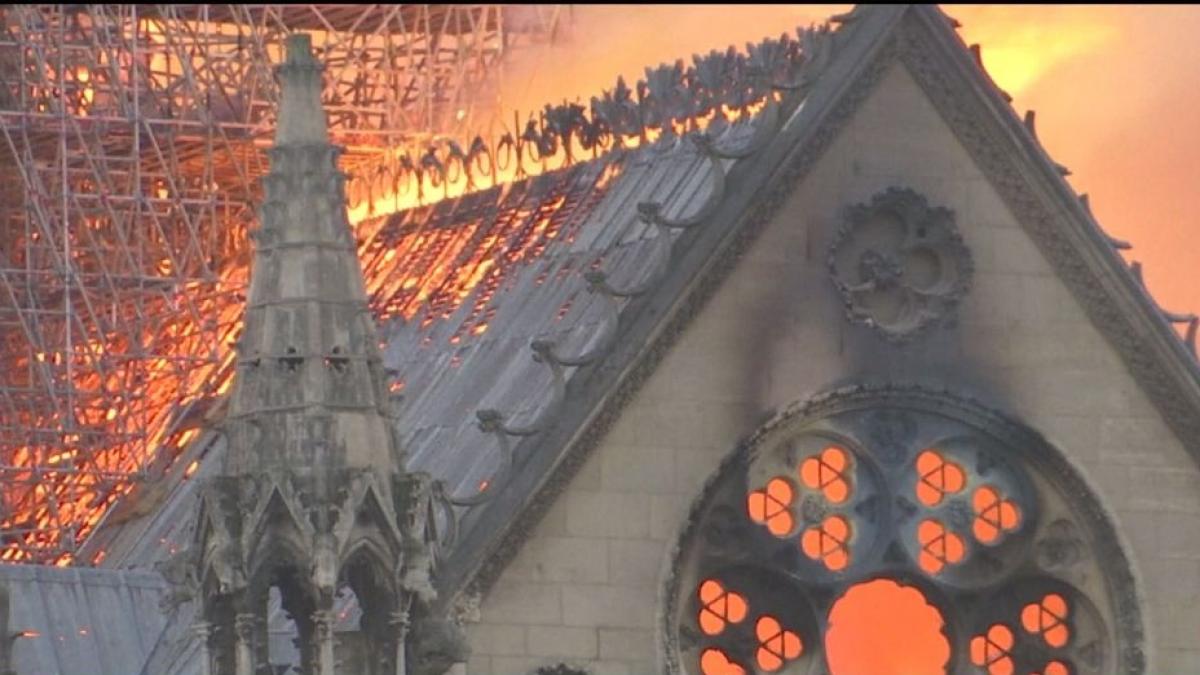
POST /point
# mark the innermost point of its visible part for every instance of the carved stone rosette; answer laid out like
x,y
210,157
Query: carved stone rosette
x,y
899,264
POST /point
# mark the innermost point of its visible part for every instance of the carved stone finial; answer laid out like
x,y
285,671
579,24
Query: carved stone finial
x,y
301,117
1031,123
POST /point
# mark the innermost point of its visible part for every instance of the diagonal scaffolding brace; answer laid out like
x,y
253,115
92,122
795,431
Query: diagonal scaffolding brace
x,y
133,138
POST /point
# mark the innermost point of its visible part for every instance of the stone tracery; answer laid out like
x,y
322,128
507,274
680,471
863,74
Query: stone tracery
x,y
972,511
899,264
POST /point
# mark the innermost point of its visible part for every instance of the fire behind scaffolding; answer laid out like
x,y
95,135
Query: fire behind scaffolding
x,y
133,140
124,290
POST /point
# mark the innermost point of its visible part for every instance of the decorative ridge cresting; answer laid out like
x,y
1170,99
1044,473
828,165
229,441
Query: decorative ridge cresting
x,y
671,100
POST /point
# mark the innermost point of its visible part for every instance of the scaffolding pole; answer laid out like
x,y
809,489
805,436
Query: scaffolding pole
x,y
132,138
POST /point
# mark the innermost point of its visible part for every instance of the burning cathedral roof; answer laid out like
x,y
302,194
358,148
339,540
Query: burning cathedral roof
x,y
489,302
508,312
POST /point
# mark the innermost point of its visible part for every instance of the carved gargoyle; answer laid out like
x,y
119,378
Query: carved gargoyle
x,y
435,645
180,573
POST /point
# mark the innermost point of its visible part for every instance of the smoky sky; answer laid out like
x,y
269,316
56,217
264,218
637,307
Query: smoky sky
x,y
1116,90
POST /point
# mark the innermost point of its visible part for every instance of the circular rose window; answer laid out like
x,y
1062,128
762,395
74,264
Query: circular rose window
x,y
897,531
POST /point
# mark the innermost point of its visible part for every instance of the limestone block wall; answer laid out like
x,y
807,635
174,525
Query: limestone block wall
x,y
584,588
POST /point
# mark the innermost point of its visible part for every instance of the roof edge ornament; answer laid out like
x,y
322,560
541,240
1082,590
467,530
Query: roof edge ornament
x,y
707,95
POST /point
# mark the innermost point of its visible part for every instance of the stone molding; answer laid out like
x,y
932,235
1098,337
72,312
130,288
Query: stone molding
x,y
1032,187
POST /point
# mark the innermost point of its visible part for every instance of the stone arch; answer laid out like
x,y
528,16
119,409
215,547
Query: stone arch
x,y
1021,562
218,610
370,576
280,561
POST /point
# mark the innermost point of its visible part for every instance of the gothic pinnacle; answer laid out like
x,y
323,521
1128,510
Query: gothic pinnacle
x,y
309,372
301,117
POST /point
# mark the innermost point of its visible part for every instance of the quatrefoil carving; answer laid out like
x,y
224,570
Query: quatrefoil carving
x,y
899,264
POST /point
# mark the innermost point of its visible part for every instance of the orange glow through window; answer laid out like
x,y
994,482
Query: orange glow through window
x,y
829,473
994,515
715,662
770,506
883,628
937,478
939,546
1048,617
776,644
829,542
992,651
719,607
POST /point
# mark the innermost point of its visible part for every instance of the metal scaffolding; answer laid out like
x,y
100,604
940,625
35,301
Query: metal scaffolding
x,y
133,138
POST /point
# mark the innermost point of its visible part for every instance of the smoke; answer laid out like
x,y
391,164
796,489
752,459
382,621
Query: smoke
x,y
623,40
1115,88
1120,111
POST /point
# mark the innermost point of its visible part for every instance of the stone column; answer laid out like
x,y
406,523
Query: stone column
x,y
323,638
245,625
203,630
398,621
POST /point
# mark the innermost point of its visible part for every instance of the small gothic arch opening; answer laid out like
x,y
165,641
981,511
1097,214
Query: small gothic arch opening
x,y
291,360
287,615
367,580
337,361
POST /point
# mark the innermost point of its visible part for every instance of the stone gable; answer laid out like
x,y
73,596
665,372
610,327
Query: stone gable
x,y
585,587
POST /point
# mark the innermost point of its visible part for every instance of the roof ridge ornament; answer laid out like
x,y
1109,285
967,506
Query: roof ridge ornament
x,y
672,98
1190,320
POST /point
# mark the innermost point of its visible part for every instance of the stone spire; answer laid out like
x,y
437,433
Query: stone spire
x,y
309,362
313,496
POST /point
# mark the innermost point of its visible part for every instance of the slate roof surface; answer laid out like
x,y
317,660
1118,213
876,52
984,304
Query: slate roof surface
x,y
536,239
536,293
536,290
464,286
82,620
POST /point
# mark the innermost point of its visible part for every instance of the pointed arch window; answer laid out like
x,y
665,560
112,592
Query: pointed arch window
x,y
897,530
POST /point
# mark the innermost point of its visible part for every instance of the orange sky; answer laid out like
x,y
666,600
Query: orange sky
x,y
1116,90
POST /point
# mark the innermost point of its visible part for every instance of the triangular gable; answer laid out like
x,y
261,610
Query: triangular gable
x,y
923,39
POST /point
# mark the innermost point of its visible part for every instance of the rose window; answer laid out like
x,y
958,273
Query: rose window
x,y
898,531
